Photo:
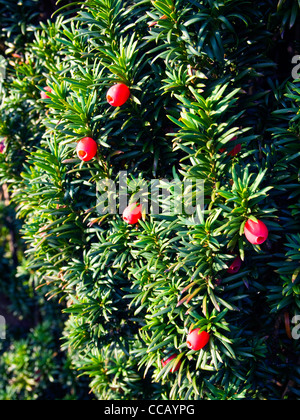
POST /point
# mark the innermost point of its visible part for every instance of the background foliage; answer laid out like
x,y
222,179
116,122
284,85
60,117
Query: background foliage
x,y
123,298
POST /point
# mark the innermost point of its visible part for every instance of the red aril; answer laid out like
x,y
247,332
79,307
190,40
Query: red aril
x,y
235,266
132,214
235,151
118,94
44,94
175,368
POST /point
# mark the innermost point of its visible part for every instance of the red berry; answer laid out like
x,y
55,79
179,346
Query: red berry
x,y
236,150
86,149
196,341
2,147
175,368
256,233
44,94
132,214
118,94
235,266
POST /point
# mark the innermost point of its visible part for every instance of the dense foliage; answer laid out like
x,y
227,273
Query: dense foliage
x,y
205,76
